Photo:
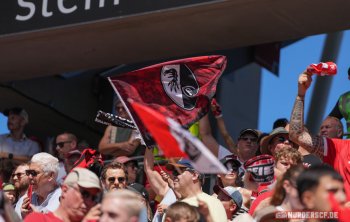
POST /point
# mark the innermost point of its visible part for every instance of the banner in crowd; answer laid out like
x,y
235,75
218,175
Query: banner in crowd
x,y
179,89
175,141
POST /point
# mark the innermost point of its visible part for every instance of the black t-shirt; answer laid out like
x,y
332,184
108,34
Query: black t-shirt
x,y
336,112
311,160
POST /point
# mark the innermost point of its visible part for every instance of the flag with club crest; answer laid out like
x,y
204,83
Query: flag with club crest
x,y
179,89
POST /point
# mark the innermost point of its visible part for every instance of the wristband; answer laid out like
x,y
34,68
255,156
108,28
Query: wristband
x,y
219,116
216,113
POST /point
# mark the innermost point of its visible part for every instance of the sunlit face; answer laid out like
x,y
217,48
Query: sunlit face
x,y
326,186
247,146
120,109
329,129
77,204
182,181
15,121
225,200
40,179
284,164
116,175
279,141
132,171
230,178
20,179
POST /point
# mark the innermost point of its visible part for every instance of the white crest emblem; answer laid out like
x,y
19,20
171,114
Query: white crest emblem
x,y
181,85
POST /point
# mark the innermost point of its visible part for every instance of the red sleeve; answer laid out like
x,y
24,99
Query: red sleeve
x,y
332,149
39,217
35,217
260,198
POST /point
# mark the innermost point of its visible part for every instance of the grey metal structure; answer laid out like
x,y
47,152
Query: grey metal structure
x,y
323,84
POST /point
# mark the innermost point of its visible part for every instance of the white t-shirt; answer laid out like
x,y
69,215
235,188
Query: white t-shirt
x,y
24,146
62,174
168,199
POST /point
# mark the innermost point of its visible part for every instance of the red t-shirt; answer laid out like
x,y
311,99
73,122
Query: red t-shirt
x,y
337,154
260,198
39,217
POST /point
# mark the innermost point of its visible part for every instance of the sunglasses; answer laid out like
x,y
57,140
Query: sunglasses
x,y
31,172
19,175
233,167
175,173
281,139
252,139
120,107
85,194
120,179
61,144
132,165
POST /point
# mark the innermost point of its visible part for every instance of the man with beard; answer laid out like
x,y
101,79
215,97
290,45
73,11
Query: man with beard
x,y
15,145
188,182
79,195
42,173
114,176
21,180
277,139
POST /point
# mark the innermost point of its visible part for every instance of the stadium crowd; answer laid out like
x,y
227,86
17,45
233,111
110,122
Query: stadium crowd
x,y
72,183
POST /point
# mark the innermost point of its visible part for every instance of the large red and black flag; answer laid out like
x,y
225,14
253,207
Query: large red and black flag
x,y
179,89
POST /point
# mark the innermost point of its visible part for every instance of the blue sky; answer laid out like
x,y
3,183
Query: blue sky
x,y
278,93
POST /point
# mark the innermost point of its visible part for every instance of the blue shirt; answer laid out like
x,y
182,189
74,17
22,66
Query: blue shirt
x,y
51,203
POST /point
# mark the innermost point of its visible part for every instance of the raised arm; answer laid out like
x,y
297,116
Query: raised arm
x,y
208,139
159,186
312,143
222,128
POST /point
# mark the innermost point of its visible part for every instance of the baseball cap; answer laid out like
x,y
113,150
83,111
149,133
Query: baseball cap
x,y
230,158
73,152
138,188
181,163
231,192
124,159
18,111
248,130
264,145
84,178
8,186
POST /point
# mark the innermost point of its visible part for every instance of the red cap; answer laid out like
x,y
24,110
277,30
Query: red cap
x,y
124,159
70,153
